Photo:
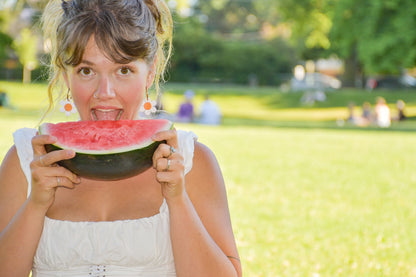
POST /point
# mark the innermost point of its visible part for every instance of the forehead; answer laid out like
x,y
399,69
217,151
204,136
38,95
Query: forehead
x,y
93,55
92,49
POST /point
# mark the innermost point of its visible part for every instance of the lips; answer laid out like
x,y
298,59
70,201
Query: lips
x,y
106,114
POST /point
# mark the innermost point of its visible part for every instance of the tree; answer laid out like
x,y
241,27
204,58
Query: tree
x,y
380,33
228,17
5,39
26,48
309,20
372,37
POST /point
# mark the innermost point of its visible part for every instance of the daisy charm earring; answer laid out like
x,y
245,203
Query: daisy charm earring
x,y
148,106
67,106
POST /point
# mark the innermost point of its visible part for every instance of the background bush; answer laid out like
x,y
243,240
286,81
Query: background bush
x,y
200,56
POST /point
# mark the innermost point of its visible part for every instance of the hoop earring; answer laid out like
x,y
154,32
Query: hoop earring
x,y
148,107
67,106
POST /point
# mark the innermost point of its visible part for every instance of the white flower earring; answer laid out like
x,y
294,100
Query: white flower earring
x,y
148,106
67,106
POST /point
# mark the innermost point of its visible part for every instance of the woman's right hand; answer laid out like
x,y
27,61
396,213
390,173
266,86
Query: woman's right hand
x,y
47,176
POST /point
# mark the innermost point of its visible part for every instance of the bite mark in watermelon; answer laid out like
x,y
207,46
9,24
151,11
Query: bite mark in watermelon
x,y
106,149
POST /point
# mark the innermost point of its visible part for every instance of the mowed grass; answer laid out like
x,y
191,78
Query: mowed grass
x,y
304,201
320,202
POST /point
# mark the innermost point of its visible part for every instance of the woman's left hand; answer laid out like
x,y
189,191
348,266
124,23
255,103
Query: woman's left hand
x,y
169,165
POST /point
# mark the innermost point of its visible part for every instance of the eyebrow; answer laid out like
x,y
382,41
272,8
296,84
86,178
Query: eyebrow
x,y
87,62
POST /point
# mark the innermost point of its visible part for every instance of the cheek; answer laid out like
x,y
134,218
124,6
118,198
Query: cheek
x,y
80,95
134,98
135,93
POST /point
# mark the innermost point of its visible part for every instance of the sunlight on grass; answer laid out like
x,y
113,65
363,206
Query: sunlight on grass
x,y
305,201
319,203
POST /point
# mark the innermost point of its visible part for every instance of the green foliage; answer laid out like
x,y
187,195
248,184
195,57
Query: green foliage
x,y
230,17
26,48
382,32
5,45
5,39
309,20
202,56
378,34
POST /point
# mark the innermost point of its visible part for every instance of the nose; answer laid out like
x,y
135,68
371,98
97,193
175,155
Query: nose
x,y
105,89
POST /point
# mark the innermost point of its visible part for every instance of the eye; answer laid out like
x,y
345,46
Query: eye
x,y
86,71
124,70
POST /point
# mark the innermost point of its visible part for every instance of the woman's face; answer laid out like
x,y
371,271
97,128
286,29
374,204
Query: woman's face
x,y
105,90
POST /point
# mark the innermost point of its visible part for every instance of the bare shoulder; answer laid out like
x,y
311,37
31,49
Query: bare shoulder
x,y
205,184
206,174
204,156
13,186
11,173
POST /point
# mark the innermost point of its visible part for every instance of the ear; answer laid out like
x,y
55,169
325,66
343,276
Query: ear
x,y
151,74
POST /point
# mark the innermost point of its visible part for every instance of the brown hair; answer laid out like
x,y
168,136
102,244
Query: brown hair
x,y
125,30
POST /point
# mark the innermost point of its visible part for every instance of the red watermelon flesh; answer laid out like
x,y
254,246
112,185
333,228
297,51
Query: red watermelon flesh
x,y
106,149
105,136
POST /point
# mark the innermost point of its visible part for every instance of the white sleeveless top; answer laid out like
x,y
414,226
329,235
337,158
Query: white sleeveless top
x,y
138,247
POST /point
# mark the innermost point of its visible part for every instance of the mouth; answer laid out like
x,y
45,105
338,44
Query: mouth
x,y
106,114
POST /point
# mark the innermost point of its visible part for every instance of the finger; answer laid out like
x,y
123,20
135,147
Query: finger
x,y
63,174
42,163
162,151
170,165
38,143
56,156
170,136
62,182
164,165
58,182
169,177
172,150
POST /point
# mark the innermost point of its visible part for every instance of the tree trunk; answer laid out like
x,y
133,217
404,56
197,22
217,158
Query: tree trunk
x,y
353,74
27,75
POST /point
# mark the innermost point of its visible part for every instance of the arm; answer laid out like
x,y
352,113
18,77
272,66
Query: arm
x,y
22,218
20,224
201,233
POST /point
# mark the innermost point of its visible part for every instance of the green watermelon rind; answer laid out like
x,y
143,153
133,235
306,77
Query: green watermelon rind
x,y
112,164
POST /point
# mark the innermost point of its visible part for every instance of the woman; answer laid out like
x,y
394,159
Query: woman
x,y
171,220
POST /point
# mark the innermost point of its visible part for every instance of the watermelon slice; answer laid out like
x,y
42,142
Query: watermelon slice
x,y
106,149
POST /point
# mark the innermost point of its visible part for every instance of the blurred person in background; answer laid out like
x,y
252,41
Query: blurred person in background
x,y
383,114
209,112
400,105
185,113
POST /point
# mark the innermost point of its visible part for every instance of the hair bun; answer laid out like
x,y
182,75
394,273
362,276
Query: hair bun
x,y
156,14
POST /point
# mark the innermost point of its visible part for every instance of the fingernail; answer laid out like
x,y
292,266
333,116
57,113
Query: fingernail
x,y
70,153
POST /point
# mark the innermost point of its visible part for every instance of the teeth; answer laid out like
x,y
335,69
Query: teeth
x,y
119,114
106,114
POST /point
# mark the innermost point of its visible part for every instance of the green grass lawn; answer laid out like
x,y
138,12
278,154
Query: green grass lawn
x,y
307,197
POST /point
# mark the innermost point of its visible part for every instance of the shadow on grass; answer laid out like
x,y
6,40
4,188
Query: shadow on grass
x,y
405,126
338,98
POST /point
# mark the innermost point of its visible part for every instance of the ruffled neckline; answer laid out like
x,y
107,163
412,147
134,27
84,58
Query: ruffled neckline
x,y
163,208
